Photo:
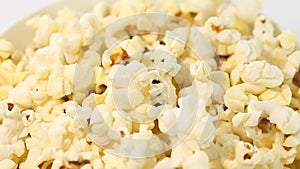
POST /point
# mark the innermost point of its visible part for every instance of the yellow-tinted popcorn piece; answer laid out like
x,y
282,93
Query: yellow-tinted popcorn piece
x,y
6,49
262,73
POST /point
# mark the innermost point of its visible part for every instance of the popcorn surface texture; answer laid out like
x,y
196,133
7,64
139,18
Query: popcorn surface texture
x,y
140,84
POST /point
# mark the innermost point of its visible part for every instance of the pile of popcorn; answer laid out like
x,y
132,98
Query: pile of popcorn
x,y
129,86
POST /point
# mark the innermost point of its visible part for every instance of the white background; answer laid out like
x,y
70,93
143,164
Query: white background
x,y
284,12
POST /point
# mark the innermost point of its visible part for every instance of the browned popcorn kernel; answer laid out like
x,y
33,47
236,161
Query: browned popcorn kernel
x,y
296,79
100,89
118,56
10,106
46,164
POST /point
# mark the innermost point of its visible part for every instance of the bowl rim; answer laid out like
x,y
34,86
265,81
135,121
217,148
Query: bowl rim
x,y
21,36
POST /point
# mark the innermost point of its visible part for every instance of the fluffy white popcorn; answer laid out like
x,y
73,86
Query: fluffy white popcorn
x,y
134,47
44,26
294,59
287,154
10,73
235,99
51,57
85,73
235,74
200,71
8,164
112,161
101,9
248,10
60,82
50,109
29,117
21,96
4,91
229,64
247,51
89,25
198,159
190,6
167,119
69,44
214,25
237,154
11,128
262,73
176,40
16,148
221,78
283,95
6,49
263,28
66,14
161,60
287,41
120,124
227,39
290,68
262,120
59,137
167,163
144,23
204,52
216,87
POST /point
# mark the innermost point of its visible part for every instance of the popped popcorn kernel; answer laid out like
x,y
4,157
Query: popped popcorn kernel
x,y
6,49
262,73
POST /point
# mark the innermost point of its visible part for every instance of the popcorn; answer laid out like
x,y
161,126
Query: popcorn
x,y
168,117
134,47
83,73
21,96
235,99
10,128
261,122
196,159
8,164
70,45
217,24
262,73
247,51
176,40
28,117
49,57
7,151
287,154
6,49
4,91
283,95
101,9
10,73
217,87
44,26
200,71
248,10
60,84
263,28
166,163
89,25
287,41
